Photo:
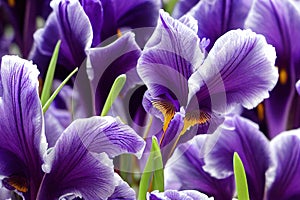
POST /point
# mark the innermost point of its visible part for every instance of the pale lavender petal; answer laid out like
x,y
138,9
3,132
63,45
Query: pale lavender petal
x,y
22,139
184,172
298,86
177,195
242,136
239,69
283,174
122,190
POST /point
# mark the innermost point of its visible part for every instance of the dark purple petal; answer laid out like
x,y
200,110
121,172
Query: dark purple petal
x,y
105,64
22,139
184,172
239,69
122,190
279,22
242,136
177,195
68,23
182,7
224,15
283,174
93,9
170,57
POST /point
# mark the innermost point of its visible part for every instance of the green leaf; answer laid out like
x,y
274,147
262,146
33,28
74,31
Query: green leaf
x,y
55,93
114,92
153,176
169,6
240,178
50,75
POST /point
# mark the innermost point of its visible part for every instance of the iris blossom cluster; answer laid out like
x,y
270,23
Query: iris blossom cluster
x,y
184,93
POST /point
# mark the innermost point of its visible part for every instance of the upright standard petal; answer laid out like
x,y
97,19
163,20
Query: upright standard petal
x,y
239,68
22,139
69,23
169,57
182,7
284,172
279,22
178,195
217,17
241,136
78,163
184,172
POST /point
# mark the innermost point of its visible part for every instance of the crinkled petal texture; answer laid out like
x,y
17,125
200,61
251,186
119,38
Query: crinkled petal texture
x,y
22,139
241,136
184,172
224,15
283,174
79,161
177,195
169,58
105,64
122,190
239,69
69,23
279,22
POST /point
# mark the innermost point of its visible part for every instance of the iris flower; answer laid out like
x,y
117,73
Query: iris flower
x,y
272,167
279,22
186,87
79,163
84,24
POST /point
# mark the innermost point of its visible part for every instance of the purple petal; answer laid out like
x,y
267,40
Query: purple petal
x,y
224,15
109,135
136,14
184,172
182,7
279,22
105,64
68,23
177,195
238,69
170,57
241,136
72,169
283,174
79,164
22,139
122,190
93,9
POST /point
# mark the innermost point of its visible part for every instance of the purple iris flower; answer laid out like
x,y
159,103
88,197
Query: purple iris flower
x,y
272,167
224,15
279,22
84,24
177,195
79,164
187,85
22,17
